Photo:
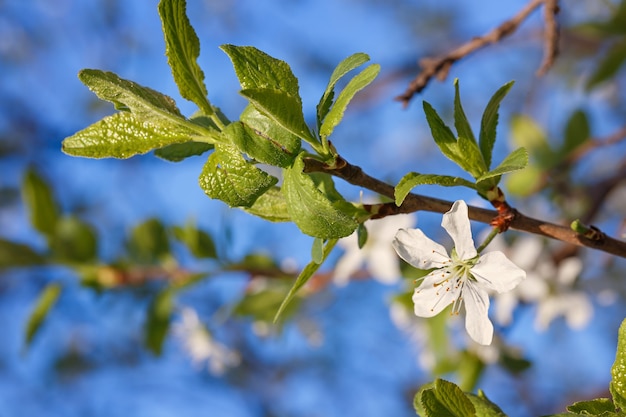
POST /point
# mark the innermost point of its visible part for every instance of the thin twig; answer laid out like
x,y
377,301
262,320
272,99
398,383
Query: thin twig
x,y
439,67
414,202
551,37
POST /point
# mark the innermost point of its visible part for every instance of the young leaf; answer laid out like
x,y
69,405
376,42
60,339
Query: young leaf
x,y
310,209
317,251
74,241
618,370
148,242
43,210
472,161
176,152
16,255
443,136
199,242
577,132
345,66
593,407
267,128
121,135
270,206
257,146
257,70
489,122
516,160
304,276
158,320
145,103
413,179
46,300
182,48
362,235
463,128
484,407
282,108
227,176
360,81
609,65
526,133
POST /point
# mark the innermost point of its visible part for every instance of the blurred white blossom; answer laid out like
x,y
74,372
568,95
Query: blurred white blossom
x,y
548,285
377,255
200,345
463,277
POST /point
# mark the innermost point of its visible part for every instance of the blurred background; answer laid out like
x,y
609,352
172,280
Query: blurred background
x,y
346,350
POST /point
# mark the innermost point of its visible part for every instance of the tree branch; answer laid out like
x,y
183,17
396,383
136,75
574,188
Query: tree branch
x,y
414,202
439,67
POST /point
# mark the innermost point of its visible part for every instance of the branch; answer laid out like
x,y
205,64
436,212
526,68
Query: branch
x,y
414,202
439,67
551,40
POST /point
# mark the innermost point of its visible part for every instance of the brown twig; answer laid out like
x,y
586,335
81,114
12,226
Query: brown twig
x,y
439,67
414,202
551,37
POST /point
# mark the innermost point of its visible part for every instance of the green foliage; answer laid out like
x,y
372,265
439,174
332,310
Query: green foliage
x,y
158,320
74,241
271,206
227,176
413,179
182,48
41,205
16,255
148,242
46,300
310,208
489,122
199,242
618,370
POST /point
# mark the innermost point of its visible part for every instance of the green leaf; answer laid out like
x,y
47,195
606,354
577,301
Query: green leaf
x,y
158,320
453,399
267,128
489,122
516,160
74,241
199,242
16,255
464,153
413,179
356,84
593,407
270,206
344,67
577,132
525,182
282,108
182,48
145,103
257,146
310,209
46,300
484,407
40,203
148,242
227,176
257,70
304,276
121,135
176,152
609,65
618,370
362,235
526,133
317,251
432,406
463,128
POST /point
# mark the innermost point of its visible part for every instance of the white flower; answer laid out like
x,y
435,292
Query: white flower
x,y
201,347
377,254
463,277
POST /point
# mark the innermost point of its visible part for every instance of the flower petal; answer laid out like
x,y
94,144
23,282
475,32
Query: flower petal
x,y
430,299
477,321
420,251
496,272
457,224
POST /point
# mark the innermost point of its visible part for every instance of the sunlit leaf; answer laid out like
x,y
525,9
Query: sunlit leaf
x,y
577,131
257,146
182,48
594,407
489,122
446,400
525,182
516,160
179,151
413,179
484,407
317,250
345,66
228,177
356,84
270,206
46,300
463,127
310,209
526,133
121,135
618,370
304,276
257,70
